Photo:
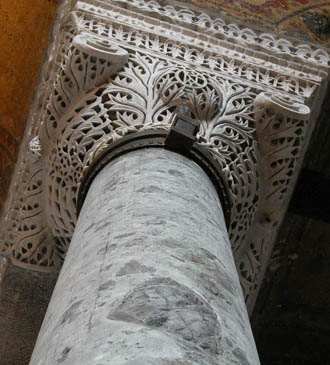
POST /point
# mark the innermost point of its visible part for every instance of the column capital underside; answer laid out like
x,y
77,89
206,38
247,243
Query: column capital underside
x,y
119,67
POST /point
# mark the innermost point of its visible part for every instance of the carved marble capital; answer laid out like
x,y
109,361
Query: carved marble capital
x,y
117,67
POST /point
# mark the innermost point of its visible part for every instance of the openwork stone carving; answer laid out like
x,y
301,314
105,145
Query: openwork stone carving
x,y
145,95
89,63
117,67
281,126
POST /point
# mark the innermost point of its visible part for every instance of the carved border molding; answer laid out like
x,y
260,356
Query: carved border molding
x,y
117,67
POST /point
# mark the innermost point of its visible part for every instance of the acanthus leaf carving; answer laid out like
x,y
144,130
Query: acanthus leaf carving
x,y
89,62
281,126
31,242
145,95
118,70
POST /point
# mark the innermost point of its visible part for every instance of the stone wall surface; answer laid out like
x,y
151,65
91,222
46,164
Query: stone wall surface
x,y
24,296
149,277
291,320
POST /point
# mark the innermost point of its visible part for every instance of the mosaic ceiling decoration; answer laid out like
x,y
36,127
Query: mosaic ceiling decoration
x,y
307,19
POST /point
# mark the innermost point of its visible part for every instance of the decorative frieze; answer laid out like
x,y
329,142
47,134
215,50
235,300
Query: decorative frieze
x,y
118,67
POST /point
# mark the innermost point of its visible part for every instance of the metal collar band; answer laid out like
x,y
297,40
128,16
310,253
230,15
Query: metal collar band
x,y
158,138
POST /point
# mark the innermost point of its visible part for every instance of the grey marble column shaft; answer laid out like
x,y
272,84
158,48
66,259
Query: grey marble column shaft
x,y
149,277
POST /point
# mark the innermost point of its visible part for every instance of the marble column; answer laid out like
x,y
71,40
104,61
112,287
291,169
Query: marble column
x,y
149,277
